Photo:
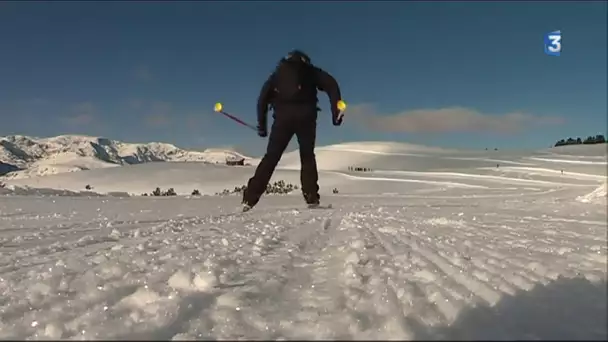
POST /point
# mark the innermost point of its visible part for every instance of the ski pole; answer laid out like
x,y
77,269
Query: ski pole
x,y
218,108
341,108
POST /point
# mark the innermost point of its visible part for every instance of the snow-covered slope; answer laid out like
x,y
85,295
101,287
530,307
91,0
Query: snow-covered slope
x,y
68,153
395,167
449,247
577,151
221,155
392,156
445,264
598,195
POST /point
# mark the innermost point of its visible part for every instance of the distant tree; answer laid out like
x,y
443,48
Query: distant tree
x,y
88,187
278,187
597,139
170,192
561,142
335,190
195,192
156,192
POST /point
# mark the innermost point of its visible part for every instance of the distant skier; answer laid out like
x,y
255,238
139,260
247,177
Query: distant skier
x,y
291,90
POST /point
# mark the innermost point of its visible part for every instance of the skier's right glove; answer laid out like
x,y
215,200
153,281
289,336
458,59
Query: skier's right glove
x,y
337,120
337,116
262,131
338,113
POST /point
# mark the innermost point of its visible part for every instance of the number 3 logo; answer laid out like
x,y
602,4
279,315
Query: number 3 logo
x,y
553,43
556,43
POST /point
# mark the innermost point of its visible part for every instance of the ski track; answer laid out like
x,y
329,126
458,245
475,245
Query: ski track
x,y
406,268
568,161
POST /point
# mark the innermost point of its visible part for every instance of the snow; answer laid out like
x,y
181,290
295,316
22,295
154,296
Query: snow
x,y
70,153
578,151
435,245
216,155
596,196
340,156
392,172
569,161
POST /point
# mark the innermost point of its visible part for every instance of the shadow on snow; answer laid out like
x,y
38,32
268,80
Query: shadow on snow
x,y
565,309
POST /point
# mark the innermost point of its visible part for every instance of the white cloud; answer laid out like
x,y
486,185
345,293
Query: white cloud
x,y
451,119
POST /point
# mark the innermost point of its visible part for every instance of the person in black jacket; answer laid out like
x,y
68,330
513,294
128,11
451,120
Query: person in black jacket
x,y
291,90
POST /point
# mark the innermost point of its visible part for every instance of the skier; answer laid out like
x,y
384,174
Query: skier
x,y
291,90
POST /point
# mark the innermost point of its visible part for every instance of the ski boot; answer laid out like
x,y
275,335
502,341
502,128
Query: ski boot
x,y
312,201
313,205
246,207
247,201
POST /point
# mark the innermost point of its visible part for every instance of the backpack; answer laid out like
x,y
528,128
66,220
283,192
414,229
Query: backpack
x,y
294,82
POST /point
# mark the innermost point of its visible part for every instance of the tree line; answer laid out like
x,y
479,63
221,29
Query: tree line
x,y
359,169
598,139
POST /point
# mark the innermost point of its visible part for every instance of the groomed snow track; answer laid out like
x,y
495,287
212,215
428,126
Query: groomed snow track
x,y
378,268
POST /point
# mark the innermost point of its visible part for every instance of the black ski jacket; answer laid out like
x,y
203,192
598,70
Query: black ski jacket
x,y
324,81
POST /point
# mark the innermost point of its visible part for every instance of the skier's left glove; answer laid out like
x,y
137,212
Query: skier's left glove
x,y
262,131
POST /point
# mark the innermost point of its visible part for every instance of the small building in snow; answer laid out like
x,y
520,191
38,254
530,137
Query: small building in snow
x,y
235,161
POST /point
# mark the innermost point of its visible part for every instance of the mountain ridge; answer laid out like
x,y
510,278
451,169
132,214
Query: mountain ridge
x,y
26,156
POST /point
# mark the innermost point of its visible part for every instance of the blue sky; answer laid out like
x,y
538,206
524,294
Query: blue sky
x,y
467,74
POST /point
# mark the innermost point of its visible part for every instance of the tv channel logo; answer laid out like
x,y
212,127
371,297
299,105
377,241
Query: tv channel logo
x,y
553,43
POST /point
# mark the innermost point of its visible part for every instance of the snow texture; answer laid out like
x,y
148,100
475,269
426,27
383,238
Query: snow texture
x,y
69,153
596,196
445,246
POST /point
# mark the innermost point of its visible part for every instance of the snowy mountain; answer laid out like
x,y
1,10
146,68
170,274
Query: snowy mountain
x,y
23,156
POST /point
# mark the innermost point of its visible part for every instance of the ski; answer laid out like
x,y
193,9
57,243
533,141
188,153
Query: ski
x,y
319,206
247,208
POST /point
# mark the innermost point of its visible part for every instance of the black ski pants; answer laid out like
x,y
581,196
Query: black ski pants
x,y
284,127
